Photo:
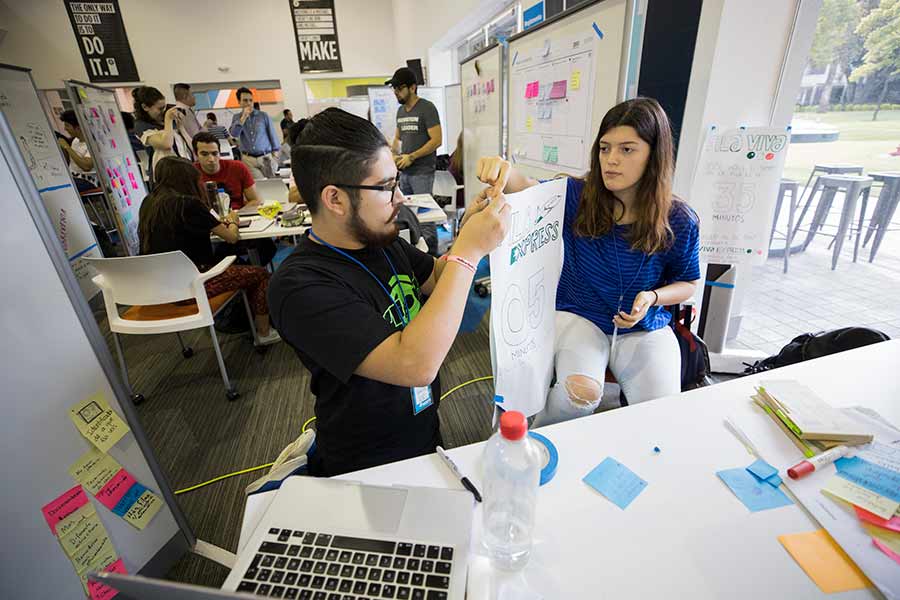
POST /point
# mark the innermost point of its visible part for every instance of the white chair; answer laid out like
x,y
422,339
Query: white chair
x,y
155,286
272,189
445,185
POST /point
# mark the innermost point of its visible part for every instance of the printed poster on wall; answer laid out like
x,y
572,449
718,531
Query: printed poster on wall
x,y
525,272
315,30
734,192
102,40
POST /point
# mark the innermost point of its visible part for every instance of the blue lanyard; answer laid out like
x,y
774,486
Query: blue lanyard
x,y
402,308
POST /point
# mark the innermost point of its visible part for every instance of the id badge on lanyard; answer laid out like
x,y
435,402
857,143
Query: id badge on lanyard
x,y
421,398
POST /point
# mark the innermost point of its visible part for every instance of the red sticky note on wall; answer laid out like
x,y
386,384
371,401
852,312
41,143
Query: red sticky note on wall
x,y
65,505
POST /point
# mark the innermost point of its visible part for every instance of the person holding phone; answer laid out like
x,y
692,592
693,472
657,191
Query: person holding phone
x,y
174,217
159,126
631,249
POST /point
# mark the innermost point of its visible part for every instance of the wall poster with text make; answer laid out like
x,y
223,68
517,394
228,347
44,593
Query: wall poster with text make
x,y
315,31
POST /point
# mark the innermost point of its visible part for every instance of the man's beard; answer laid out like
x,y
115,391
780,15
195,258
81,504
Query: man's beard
x,y
366,236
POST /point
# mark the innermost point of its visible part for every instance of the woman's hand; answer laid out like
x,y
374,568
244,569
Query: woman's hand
x,y
493,171
478,205
642,303
232,218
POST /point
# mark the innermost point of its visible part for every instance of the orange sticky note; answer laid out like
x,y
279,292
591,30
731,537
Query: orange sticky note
x,y
824,561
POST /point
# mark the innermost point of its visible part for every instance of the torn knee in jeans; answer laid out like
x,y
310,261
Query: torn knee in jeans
x,y
583,391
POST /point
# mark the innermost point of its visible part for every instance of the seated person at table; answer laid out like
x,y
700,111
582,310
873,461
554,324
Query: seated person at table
x,y
349,300
175,217
81,165
631,249
233,175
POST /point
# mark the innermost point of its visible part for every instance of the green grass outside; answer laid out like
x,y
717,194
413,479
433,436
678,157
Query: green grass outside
x,y
862,142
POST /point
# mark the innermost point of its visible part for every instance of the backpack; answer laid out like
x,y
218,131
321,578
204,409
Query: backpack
x,y
814,345
695,367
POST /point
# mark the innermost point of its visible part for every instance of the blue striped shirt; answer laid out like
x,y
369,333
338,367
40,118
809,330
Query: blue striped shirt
x,y
590,283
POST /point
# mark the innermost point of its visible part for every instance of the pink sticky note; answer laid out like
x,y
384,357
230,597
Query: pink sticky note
x,y
558,90
95,113
128,161
98,591
134,184
112,143
893,523
110,494
532,89
881,546
65,505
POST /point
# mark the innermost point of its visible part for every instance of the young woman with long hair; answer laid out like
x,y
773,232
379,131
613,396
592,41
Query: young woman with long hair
x,y
174,216
158,126
631,249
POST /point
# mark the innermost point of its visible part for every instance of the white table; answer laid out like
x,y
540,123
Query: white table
x,y
433,213
686,535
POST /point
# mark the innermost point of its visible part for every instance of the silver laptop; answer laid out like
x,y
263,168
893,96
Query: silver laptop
x,y
327,539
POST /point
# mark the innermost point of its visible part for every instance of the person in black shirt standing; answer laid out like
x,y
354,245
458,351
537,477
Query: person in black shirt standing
x,y
349,299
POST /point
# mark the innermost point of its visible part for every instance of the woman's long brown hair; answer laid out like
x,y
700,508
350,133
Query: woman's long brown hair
x,y
651,232
176,181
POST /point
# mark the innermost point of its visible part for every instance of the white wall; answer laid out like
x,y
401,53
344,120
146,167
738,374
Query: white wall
x,y
176,40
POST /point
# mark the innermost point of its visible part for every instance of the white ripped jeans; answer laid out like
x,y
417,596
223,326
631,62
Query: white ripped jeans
x,y
647,365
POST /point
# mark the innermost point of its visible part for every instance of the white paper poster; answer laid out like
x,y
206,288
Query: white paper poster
x,y
383,111
525,271
734,192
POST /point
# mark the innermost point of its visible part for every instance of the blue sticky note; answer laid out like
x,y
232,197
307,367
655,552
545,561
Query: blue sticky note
x,y
870,476
615,481
128,500
773,480
762,469
756,495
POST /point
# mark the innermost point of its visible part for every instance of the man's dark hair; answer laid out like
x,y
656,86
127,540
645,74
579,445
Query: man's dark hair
x,y
128,121
212,117
285,111
203,137
68,116
241,91
294,131
335,147
181,88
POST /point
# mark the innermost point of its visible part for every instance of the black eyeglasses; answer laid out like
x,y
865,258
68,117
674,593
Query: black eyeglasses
x,y
388,187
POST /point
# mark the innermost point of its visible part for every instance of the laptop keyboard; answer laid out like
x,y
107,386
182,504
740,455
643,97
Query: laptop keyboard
x,y
306,565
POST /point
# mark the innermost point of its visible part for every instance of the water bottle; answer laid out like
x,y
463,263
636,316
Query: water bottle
x,y
212,197
511,477
224,202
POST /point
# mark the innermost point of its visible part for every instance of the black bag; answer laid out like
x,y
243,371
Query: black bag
x,y
233,318
813,345
694,353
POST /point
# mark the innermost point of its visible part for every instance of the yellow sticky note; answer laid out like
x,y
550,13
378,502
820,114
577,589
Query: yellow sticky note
x,y
88,545
575,80
98,422
529,124
824,561
891,539
74,520
93,469
143,511
860,496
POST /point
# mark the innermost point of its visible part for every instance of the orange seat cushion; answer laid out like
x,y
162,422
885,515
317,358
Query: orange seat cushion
x,y
173,310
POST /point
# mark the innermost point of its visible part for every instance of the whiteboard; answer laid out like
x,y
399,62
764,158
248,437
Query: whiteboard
x,y
383,107
563,76
21,106
383,111
50,364
482,81
100,118
453,126
357,106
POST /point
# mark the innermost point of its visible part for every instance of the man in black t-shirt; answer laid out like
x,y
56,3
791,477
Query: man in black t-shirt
x,y
349,299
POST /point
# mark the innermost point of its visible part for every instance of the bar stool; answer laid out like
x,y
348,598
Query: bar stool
x,y
853,187
884,211
785,186
823,169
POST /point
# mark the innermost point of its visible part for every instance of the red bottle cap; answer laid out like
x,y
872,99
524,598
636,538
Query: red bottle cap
x,y
801,469
513,425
